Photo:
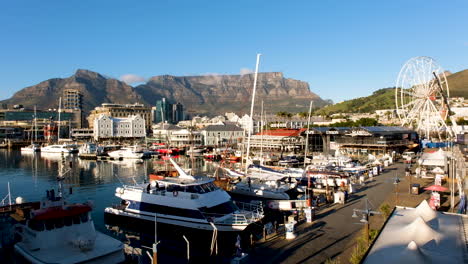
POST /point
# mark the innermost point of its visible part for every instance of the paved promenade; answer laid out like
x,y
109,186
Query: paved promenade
x,y
333,229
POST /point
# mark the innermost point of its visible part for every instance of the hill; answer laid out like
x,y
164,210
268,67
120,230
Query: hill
x,y
385,98
458,84
380,99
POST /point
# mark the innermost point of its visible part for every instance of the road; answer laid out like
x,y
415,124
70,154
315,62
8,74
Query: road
x,y
333,229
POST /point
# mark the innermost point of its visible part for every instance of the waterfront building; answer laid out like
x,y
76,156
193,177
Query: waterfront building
x,y
121,111
185,138
72,103
278,140
222,134
107,127
162,132
377,140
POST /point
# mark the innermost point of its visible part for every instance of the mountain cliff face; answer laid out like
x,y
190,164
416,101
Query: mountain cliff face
x,y
213,94
221,93
94,88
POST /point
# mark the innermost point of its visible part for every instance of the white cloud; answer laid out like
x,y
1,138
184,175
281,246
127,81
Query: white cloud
x,y
244,71
132,78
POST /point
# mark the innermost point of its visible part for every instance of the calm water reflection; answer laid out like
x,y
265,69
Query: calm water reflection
x,y
31,174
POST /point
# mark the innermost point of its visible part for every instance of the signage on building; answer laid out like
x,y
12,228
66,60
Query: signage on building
x,y
309,132
332,132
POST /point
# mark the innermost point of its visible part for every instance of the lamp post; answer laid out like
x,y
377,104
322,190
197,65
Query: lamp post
x,y
366,213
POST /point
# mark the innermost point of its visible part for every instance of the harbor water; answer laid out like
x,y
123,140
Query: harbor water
x,y
30,175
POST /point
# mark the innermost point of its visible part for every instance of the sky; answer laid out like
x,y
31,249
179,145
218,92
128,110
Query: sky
x,y
343,49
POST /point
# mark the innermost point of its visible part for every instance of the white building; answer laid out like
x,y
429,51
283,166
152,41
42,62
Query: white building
x,y
221,134
124,127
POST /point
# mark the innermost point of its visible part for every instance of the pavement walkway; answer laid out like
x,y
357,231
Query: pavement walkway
x,y
333,229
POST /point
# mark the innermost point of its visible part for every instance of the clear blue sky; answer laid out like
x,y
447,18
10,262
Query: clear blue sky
x,y
343,49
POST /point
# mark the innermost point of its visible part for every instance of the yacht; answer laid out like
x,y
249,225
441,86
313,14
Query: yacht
x,y
127,153
184,201
31,148
62,232
55,149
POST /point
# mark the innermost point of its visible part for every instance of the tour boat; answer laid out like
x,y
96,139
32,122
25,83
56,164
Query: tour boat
x,y
62,232
185,201
127,153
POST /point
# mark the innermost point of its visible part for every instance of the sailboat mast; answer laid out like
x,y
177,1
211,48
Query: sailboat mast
x,y
307,133
59,111
261,135
251,109
35,124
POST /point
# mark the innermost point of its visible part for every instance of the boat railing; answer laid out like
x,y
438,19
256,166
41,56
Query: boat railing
x,y
235,219
163,192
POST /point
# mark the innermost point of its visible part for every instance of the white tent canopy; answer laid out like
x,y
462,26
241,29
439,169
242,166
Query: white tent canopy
x,y
437,158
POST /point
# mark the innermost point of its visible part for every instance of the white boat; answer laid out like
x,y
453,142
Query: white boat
x,y
260,190
133,152
63,232
55,149
184,201
31,148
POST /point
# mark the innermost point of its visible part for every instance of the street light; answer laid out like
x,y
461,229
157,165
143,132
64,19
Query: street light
x,y
366,213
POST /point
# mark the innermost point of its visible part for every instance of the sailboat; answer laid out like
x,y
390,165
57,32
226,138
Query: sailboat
x,y
33,147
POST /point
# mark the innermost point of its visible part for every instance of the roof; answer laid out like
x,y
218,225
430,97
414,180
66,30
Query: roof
x,y
387,129
283,132
420,235
226,127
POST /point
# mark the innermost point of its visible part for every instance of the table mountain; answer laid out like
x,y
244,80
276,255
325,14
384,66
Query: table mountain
x,y
213,94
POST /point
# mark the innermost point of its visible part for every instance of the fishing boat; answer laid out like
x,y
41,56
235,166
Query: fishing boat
x,y
89,151
62,232
184,201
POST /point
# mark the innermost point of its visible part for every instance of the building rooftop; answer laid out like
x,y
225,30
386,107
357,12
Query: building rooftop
x,y
225,127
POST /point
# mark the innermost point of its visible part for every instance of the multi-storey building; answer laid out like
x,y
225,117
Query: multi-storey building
x,y
167,112
106,127
71,99
221,134
121,111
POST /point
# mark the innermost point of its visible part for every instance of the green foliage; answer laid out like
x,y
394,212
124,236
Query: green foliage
x,y
385,209
357,123
359,250
462,122
332,261
380,99
284,114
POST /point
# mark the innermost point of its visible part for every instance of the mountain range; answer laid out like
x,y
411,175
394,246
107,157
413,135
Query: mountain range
x,y
209,94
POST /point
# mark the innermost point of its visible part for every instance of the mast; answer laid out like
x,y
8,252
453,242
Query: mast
x,y
251,110
261,136
35,124
307,134
59,111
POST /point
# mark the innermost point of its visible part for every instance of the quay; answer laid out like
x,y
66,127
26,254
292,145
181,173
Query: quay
x,y
333,229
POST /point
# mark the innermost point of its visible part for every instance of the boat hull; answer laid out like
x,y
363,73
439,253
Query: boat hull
x,y
145,219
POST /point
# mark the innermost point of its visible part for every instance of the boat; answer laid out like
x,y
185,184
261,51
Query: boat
x,y
63,232
31,148
133,152
184,201
89,151
56,149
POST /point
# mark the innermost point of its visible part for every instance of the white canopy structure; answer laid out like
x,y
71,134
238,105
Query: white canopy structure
x,y
421,235
437,158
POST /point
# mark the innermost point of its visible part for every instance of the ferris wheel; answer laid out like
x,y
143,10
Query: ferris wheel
x,y
421,97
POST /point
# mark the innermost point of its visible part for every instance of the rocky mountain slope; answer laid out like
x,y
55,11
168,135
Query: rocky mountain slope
x,y
214,94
